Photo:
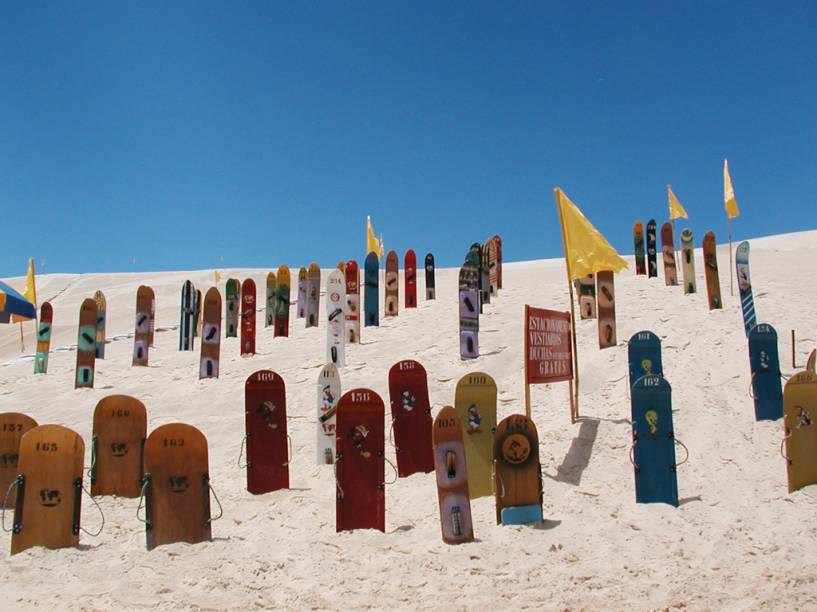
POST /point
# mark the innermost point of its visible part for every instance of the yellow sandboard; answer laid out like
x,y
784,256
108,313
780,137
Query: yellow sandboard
x,y
800,425
475,403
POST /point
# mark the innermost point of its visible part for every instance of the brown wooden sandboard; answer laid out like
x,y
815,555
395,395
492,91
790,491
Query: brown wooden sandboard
x,y
120,427
177,498
800,425
810,362
86,345
210,335
517,473
47,511
606,297
452,478
141,335
587,296
668,253
13,425
392,283
713,286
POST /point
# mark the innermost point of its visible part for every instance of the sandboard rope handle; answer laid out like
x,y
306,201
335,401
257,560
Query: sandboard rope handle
x,y
337,482
289,451
684,446
90,470
632,458
391,431
215,497
145,483
241,454
783,441
752,387
396,475
102,514
12,484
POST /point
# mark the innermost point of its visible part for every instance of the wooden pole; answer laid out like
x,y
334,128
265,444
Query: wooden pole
x,y
731,270
525,359
22,340
574,384
793,360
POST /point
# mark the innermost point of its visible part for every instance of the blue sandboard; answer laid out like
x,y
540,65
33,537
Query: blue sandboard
x,y
522,515
747,300
371,271
656,480
765,365
644,355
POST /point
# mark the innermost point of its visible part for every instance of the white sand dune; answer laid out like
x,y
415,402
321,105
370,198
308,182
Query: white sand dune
x,y
737,541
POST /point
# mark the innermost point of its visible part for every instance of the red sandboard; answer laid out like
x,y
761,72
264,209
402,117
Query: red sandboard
x,y
141,336
86,345
410,273
392,281
352,309
120,428
411,415
452,478
360,440
265,417
177,498
13,426
248,317
49,496
210,335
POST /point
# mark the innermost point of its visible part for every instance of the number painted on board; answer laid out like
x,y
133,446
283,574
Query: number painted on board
x,y
477,380
174,442
12,427
120,413
46,447
361,396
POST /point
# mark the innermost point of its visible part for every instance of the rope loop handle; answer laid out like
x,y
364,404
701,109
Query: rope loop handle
x,y
632,457
241,453
337,482
684,446
391,437
220,508
145,483
14,483
786,436
392,467
752,387
289,452
90,470
502,484
102,514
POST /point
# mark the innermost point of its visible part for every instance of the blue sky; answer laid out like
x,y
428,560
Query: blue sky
x,y
181,132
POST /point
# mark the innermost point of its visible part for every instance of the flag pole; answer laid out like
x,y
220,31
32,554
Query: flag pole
x,y
22,340
574,384
731,271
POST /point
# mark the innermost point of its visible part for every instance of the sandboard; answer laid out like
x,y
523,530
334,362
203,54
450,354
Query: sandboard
x,y
431,290
713,287
335,320
282,302
517,472
233,304
587,296
197,301
313,294
652,264
43,338
469,311
187,317
119,432
638,239
360,466
392,283
765,366
475,403
352,306
498,243
474,256
747,300
490,256
606,309
799,422
177,495
411,417
86,345
653,452
248,317
141,334
302,282
811,361
485,274
410,278
210,335
668,255
13,425
328,396
644,355
341,266
101,306
452,478
49,490
688,261
152,330
269,309
265,417
371,273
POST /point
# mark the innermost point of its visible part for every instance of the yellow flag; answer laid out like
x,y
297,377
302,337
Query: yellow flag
x,y
586,250
30,292
676,211
729,201
372,245
218,276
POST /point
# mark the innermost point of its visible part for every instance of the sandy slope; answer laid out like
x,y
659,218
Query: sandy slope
x,y
737,541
